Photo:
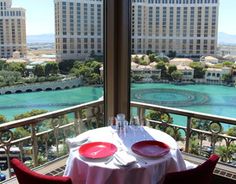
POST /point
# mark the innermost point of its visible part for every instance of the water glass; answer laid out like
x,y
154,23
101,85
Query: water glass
x,y
134,120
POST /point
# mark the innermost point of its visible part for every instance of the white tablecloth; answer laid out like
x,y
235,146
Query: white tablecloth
x,y
92,172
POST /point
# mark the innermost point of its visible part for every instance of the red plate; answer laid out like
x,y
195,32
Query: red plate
x,y
150,148
97,150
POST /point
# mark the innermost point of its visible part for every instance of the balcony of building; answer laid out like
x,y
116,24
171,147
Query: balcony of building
x,y
42,145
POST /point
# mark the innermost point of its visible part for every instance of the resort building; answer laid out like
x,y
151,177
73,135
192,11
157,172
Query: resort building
x,y
79,28
187,27
149,72
227,50
12,30
187,71
214,75
181,61
209,60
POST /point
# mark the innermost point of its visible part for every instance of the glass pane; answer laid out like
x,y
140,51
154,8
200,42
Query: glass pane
x,y
52,64
175,61
62,60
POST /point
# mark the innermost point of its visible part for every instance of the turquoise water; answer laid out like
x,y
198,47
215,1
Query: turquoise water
x,y
13,104
218,100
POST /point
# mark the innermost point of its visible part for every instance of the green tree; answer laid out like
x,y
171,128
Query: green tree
x,y
66,66
177,75
199,70
171,69
152,57
143,62
2,119
2,64
231,131
17,67
158,116
21,132
148,52
227,78
194,146
136,59
165,59
137,77
94,65
39,71
9,78
34,112
89,71
228,63
51,68
155,77
200,124
161,65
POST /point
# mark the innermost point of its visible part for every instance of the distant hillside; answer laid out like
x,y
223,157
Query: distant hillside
x,y
44,38
224,38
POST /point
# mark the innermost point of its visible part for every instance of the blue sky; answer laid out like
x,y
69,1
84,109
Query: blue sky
x,y
40,16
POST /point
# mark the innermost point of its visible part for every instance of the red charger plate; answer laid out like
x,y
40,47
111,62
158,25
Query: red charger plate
x,y
97,150
150,148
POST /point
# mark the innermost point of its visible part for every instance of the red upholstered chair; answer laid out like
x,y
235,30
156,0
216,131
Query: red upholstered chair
x,y
26,176
202,174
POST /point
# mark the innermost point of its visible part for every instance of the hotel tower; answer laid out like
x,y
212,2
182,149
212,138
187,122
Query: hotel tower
x,y
12,30
184,27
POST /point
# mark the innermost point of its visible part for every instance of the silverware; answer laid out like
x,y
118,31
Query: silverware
x,y
137,157
108,161
141,160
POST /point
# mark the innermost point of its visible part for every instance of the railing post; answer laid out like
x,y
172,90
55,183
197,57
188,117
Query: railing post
x,y
21,150
46,137
34,144
141,115
188,133
76,123
56,125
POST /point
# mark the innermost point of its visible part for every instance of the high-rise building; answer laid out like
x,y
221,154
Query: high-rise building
x,y
12,30
79,28
184,27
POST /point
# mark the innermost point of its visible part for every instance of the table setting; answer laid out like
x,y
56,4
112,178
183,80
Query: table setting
x,y
121,155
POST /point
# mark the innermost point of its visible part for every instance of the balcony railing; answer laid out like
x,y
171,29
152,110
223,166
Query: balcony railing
x,y
201,134
41,138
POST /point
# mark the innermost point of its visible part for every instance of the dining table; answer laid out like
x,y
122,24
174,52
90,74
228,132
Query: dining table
x,y
131,155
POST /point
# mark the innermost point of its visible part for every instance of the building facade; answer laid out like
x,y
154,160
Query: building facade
x,y
79,28
12,30
184,27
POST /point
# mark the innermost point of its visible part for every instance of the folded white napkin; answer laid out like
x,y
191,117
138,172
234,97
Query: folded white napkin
x,y
124,159
76,141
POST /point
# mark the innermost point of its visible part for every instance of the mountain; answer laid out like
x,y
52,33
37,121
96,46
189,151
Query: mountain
x,y
43,38
224,38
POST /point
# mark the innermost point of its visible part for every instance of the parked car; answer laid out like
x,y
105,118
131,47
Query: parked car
x,y
2,176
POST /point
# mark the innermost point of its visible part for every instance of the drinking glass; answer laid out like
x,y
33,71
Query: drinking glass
x,y
134,120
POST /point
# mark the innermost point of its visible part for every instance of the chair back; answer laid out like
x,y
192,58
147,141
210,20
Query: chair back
x,y
26,176
202,174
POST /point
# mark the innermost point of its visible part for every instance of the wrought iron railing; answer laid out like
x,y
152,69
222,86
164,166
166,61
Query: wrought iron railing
x,y
199,133
41,138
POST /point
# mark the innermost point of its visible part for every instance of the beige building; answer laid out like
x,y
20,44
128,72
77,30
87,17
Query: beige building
x,y
187,27
12,30
79,28
216,74
181,61
187,71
